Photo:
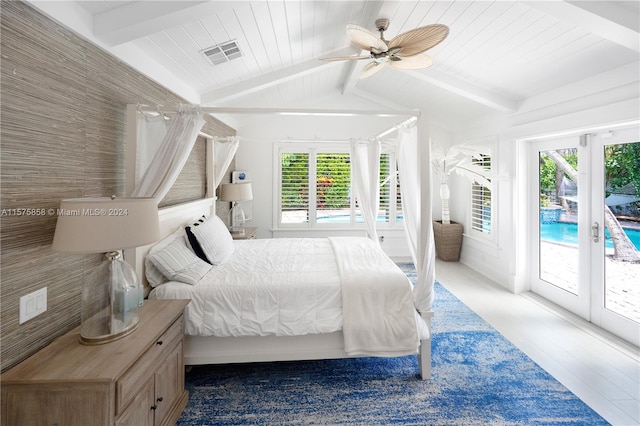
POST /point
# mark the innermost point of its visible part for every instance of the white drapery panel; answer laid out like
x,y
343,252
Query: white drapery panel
x,y
408,169
164,160
365,177
151,129
224,149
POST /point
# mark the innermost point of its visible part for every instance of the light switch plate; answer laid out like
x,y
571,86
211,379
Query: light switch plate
x,y
33,304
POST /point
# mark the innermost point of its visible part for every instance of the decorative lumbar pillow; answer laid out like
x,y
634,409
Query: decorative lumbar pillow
x,y
210,240
177,262
193,241
154,276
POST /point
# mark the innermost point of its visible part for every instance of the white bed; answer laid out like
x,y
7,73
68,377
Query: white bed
x,y
264,329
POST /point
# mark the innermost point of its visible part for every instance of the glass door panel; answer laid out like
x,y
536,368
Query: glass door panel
x,y
558,211
616,255
559,245
622,217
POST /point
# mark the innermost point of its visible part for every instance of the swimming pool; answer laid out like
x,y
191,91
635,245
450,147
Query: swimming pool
x,y
567,233
347,219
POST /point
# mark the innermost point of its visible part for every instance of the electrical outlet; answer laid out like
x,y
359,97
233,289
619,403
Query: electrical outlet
x,y
33,304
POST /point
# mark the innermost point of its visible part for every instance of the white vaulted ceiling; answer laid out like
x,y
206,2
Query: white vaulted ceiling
x,y
498,53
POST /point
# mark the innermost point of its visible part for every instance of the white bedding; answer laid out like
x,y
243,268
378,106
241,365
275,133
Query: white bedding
x,y
281,287
378,317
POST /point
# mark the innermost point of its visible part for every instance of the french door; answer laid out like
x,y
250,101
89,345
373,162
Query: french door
x,y
585,226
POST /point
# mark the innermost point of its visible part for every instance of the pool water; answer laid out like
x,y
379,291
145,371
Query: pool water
x,y
347,219
567,233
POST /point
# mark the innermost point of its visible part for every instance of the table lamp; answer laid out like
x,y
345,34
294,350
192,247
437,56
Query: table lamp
x,y
111,294
236,192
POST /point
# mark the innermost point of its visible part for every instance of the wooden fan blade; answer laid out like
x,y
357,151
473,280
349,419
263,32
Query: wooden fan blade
x,y
415,62
419,40
345,58
371,68
365,39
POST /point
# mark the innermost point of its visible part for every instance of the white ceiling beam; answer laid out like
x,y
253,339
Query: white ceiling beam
x,y
353,76
252,85
467,90
379,100
138,19
606,19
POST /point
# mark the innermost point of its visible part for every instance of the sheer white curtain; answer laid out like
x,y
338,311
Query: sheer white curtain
x,y
152,127
409,171
165,160
224,149
365,176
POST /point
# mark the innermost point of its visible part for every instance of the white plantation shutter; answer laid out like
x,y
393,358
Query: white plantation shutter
x,y
481,202
387,179
294,187
398,199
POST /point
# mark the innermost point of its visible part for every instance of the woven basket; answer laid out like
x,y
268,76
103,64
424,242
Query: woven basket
x,y
448,239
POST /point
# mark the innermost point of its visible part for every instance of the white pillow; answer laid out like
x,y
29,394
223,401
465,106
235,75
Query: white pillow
x,y
210,240
178,263
155,277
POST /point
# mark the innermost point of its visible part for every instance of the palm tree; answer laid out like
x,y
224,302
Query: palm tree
x,y
623,249
464,159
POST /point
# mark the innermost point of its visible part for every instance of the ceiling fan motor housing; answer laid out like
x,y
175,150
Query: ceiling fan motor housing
x,y
382,24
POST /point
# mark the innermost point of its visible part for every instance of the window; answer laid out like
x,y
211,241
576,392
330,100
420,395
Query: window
x,y
481,202
390,210
314,188
294,187
333,187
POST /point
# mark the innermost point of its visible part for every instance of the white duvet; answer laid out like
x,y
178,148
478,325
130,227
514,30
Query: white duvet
x,y
281,287
291,286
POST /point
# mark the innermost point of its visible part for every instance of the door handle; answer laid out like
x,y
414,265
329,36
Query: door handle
x,y
595,232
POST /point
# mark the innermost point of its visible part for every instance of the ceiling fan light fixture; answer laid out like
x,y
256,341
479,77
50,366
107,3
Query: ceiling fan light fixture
x,y
404,52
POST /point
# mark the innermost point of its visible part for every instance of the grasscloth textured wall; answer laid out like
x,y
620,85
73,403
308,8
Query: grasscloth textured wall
x,y
62,135
192,182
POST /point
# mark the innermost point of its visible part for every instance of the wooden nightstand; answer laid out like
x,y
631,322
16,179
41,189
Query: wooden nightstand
x,y
137,380
249,234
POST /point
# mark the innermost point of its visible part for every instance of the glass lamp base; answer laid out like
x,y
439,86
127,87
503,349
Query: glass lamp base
x,y
110,300
236,219
100,340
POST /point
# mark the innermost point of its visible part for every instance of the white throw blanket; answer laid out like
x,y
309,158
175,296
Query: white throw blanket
x,y
378,315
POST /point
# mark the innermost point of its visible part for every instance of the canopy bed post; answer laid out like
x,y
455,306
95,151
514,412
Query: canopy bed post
x,y
424,352
130,156
425,267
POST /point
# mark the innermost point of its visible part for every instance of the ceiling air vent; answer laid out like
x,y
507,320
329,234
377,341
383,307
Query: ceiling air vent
x,y
223,52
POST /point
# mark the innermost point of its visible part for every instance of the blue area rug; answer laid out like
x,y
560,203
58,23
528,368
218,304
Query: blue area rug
x,y
479,378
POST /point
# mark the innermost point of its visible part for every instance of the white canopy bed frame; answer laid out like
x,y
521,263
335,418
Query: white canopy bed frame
x,y
199,350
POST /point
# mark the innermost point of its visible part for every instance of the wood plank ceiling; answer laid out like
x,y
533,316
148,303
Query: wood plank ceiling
x,y
497,55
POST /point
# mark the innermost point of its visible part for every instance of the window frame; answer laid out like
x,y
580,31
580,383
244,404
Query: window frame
x,y
472,231
314,148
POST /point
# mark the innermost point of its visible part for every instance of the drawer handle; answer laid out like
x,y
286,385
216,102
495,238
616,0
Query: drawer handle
x,y
159,342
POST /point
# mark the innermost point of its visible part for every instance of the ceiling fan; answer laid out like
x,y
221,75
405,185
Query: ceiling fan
x,y
405,51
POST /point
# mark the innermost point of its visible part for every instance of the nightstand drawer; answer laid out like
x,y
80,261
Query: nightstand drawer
x,y
135,378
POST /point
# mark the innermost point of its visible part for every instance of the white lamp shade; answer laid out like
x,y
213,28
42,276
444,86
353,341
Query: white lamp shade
x,y
98,225
236,192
